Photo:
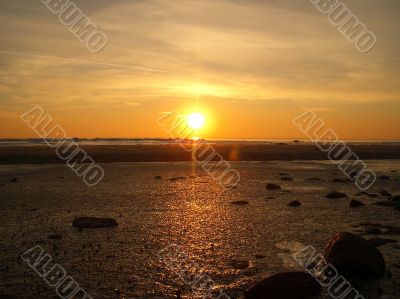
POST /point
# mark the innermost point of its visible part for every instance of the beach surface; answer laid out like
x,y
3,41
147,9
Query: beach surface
x,y
236,245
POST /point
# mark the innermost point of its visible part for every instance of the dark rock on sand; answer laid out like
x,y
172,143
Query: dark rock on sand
x,y
287,179
385,193
340,180
55,237
239,264
335,195
158,177
286,285
377,242
384,177
355,204
388,203
2,185
273,187
396,198
372,195
260,256
353,256
294,203
93,222
372,230
178,178
14,180
314,180
240,202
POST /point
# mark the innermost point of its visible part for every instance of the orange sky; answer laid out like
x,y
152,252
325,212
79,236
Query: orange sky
x,y
250,66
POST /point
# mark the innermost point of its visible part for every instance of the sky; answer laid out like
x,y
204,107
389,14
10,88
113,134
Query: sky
x,y
250,66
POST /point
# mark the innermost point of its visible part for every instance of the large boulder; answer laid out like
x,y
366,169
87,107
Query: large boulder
x,y
286,285
93,222
355,257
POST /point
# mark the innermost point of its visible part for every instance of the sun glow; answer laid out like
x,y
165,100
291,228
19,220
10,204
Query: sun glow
x,y
196,120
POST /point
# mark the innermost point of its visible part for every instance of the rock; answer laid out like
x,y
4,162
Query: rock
x,y
372,230
385,193
93,222
285,285
158,177
273,187
284,174
335,195
377,242
260,256
294,203
396,198
2,185
388,203
14,180
239,264
314,180
384,177
355,204
340,180
353,256
55,237
178,178
372,195
240,202
287,179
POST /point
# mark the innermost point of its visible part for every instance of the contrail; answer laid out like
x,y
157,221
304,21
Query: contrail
x,y
84,61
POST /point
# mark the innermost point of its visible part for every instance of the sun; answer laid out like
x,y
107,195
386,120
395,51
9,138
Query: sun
x,y
196,120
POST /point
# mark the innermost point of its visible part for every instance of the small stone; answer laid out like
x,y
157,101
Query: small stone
x,y
355,204
384,177
336,195
55,237
314,180
294,203
93,222
273,187
385,193
239,264
240,202
373,230
340,180
287,179
14,180
396,198
260,256
377,242
159,177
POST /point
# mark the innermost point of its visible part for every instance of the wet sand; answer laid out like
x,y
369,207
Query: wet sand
x,y
42,154
194,213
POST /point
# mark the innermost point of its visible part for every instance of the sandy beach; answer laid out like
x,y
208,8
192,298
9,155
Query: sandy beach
x,y
236,245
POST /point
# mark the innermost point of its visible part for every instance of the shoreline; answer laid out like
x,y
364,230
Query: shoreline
x,y
43,154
